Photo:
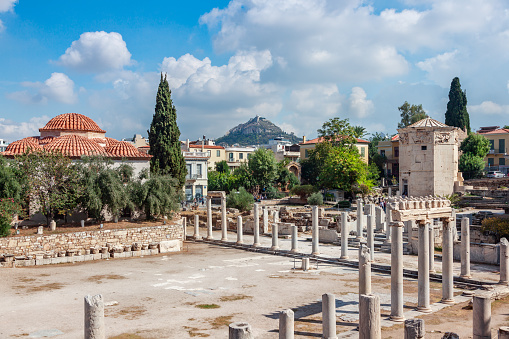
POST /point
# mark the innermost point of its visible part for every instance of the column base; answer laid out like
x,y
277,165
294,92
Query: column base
x,y
315,253
504,282
294,250
224,239
210,238
256,244
432,271
196,237
274,248
239,242
397,318
344,257
447,301
424,309
466,276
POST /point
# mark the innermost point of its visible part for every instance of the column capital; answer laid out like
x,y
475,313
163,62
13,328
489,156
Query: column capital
x,y
397,224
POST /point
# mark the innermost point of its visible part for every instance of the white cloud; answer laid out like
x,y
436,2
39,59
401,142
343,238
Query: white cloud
x,y
441,68
488,107
7,5
359,106
12,131
59,87
97,52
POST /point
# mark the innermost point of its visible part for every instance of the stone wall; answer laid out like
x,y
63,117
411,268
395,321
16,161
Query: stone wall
x,y
92,245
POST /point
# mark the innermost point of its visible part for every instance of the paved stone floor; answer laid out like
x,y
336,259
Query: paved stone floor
x,y
198,292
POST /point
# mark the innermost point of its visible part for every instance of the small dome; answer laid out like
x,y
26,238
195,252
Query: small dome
x,y
428,122
72,122
22,146
75,146
124,149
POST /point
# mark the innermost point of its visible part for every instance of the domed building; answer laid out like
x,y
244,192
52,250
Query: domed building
x,y
76,135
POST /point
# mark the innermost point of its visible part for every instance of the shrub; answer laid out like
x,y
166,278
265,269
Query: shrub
x,y
303,191
315,199
8,207
499,226
344,204
242,200
273,193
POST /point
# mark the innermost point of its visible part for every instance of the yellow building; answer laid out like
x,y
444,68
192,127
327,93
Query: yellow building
x,y
307,146
390,149
215,154
237,155
499,139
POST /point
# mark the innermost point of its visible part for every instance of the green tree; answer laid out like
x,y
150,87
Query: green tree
x,y
474,148
410,114
263,167
373,156
338,132
10,186
456,114
218,181
158,196
222,167
241,199
359,132
242,177
475,144
164,137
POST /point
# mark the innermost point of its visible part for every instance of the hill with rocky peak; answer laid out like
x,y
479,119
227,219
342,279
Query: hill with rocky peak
x,y
257,131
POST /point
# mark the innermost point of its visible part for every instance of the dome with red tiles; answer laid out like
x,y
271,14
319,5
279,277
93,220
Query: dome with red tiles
x,y
21,146
72,122
75,146
124,149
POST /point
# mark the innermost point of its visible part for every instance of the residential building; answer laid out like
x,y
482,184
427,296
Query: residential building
x,y
283,149
3,145
237,155
137,140
499,140
309,145
390,149
196,178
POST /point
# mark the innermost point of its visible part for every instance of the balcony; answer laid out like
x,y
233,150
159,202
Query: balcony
x,y
195,154
193,177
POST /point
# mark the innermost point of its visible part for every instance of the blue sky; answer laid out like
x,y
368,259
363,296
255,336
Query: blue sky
x,y
295,62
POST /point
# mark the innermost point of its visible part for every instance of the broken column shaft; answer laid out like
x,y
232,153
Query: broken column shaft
x,y
465,248
329,316
94,317
369,317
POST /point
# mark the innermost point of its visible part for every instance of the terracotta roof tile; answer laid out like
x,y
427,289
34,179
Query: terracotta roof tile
x,y
496,131
72,122
75,146
123,149
21,146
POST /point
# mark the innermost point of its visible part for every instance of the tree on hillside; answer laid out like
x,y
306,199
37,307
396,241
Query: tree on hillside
x,y
410,114
456,114
474,148
164,137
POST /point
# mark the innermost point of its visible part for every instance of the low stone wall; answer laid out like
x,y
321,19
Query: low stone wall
x,y
91,245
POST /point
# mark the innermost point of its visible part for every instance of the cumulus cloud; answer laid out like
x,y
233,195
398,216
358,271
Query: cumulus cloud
x,y
7,5
359,106
96,52
488,107
59,87
12,131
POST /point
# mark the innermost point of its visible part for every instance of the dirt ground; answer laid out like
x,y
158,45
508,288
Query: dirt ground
x,y
199,291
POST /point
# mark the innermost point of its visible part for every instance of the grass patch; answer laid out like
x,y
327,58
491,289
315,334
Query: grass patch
x,y
221,321
39,288
207,306
235,297
130,313
127,336
195,332
99,278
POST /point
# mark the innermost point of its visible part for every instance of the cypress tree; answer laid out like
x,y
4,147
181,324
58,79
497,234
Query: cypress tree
x,y
456,114
164,137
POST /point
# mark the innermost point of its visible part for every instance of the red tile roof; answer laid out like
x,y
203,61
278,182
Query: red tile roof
x,y
21,146
394,138
72,122
75,146
321,139
123,149
496,131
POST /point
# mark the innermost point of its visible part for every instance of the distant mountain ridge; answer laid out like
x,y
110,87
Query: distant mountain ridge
x,y
257,131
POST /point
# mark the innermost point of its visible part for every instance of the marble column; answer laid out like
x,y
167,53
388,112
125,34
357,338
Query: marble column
x,y
295,236
196,226
224,220
371,236
240,239
447,260
423,267
504,261
240,330
329,316
364,270
275,216
344,236
314,216
397,272
465,248
275,240
414,329
369,317
286,324
256,230
265,219
431,248
305,264
481,308
209,219
360,215
388,221
94,317
380,221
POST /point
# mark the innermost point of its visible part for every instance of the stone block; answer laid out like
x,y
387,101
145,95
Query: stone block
x,y
169,246
327,236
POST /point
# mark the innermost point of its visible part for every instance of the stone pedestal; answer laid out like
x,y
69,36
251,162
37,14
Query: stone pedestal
x,y
224,221
344,236
196,226
240,330
397,272
305,264
364,270
52,225
503,332
414,329
465,248
240,239
504,261
275,240
94,317
40,230
315,236
286,324
423,268
371,236
360,216
369,317
329,316
209,219
82,223
256,241
295,236
481,317
447,260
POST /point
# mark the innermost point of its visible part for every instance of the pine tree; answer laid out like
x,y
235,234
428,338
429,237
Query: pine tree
x,y
456,114
164,137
